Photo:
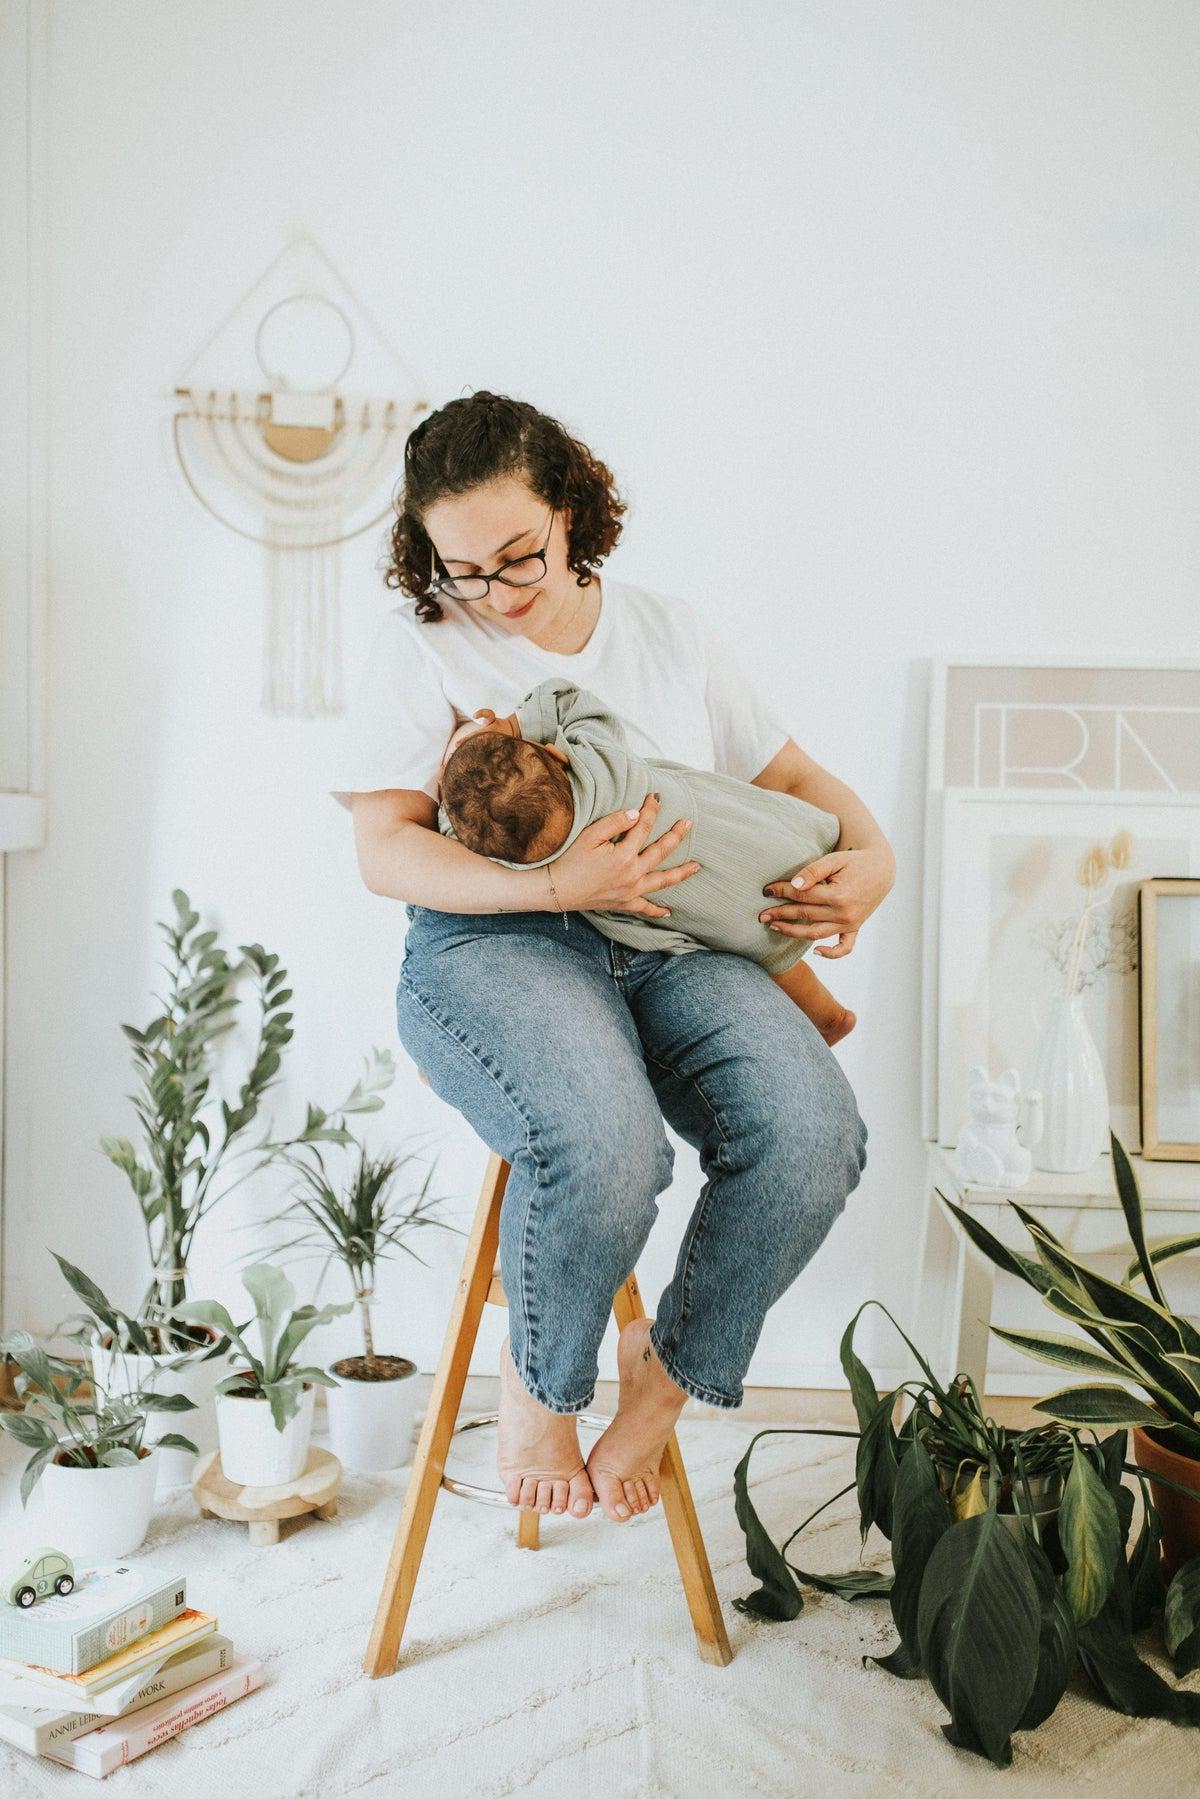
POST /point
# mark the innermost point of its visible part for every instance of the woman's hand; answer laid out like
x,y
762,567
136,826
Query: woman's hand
x,y
610,867
834,894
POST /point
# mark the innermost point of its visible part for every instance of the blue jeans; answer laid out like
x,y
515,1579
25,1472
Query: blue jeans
x,y
565,1052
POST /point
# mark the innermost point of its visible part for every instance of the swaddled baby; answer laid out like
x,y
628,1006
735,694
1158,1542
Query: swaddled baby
x,y
519,790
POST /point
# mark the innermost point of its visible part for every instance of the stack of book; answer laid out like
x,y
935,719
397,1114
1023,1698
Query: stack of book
x,y
95,1677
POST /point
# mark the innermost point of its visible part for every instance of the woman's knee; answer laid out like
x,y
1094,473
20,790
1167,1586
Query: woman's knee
x,y
815,1139
617,1154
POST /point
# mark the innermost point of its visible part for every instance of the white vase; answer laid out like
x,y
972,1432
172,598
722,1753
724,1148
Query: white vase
x,y
97,1511
253,1452
371,1421
122,1371
1066,1066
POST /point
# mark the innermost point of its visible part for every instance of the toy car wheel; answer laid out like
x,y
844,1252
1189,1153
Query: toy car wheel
x,y
26,1597
64,1584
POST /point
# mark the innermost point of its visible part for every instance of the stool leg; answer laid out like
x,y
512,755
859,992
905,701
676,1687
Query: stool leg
x,y
690,1553
527,1528
445,1397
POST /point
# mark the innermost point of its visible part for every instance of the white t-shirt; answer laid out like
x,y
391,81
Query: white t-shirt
x,y
654,660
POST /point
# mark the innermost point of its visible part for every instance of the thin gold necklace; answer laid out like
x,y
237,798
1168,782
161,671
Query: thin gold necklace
x,y
582,597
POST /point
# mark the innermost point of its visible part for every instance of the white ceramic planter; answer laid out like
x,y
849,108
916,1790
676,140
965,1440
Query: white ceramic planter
x,y
122,1371
371,1421
253,1452
97,1511
1066,1066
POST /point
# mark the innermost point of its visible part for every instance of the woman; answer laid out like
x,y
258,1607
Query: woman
x,y
563,1049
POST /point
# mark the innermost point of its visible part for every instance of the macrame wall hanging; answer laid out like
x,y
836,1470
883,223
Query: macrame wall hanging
x,y
290,431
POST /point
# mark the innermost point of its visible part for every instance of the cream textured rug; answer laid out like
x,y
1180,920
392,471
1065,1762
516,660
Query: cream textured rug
x,y
570,1672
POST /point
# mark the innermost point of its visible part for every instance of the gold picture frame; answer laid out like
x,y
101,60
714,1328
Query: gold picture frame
x,y
1168,915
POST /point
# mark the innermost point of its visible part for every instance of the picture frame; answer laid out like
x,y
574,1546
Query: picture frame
x,y
1168,914
1054,728
1007,897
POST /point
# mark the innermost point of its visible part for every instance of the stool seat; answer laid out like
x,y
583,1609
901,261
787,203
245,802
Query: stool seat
x,y
480,1284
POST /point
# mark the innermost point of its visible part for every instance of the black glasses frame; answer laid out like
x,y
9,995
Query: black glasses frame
x,y
439,584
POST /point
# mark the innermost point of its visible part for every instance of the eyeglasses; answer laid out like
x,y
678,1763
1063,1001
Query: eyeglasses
x,y
522,572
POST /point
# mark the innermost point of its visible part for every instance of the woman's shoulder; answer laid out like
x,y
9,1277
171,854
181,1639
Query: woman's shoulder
x,y
658,612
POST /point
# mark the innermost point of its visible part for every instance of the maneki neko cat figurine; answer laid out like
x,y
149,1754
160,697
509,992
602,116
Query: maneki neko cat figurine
x,y
1002,1126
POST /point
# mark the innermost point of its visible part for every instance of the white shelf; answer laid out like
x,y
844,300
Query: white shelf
x,y
1159,1183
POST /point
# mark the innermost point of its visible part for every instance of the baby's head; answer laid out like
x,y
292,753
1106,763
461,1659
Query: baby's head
x,y
508,797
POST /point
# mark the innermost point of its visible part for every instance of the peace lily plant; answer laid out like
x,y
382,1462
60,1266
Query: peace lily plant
x,y
1010,1559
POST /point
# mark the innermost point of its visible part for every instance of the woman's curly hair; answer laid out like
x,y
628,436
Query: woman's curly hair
x,y
485,437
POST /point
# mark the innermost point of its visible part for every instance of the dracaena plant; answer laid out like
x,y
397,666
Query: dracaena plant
x,y
1138,1336
993,1612
191,1141
69,1419
273,1374
357,1219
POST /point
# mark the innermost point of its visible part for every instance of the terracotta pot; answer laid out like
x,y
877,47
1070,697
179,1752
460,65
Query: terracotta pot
x,y
1179,1515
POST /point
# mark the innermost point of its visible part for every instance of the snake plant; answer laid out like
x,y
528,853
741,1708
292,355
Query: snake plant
x,y
1138,1337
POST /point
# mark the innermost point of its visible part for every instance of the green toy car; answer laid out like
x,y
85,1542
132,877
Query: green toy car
x,y
45,1571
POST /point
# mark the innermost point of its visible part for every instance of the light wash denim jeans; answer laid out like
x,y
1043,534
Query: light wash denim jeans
x,y
565,1052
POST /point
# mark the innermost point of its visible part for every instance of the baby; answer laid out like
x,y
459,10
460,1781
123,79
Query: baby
x,y
519,790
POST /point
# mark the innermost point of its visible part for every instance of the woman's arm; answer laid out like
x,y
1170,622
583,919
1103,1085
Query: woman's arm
x,y
842,889
609,867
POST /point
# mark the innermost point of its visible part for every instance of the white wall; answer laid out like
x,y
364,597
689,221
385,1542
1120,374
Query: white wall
x,y
884,314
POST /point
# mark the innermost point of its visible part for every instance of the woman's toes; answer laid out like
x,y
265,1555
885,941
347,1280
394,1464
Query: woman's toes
x,y
611,1494
631,1495
643,1493
559,1501
582,1498
512,1488
545,1495
529,1494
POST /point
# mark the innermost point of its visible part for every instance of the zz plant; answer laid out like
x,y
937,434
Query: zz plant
x,y
191,1140
994,1611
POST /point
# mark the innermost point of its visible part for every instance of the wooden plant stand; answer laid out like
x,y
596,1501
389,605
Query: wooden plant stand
x,y
262,1507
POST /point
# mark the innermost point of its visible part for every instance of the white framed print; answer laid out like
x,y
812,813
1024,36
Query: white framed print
x,y
1014,916
1054,729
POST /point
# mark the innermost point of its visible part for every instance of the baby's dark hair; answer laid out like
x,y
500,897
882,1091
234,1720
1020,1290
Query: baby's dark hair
x,y
500,793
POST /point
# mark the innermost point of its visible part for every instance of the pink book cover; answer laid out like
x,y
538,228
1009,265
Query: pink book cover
x,y
98,1752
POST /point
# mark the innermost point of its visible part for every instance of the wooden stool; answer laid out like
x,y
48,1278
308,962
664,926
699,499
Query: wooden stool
x,y
480,1284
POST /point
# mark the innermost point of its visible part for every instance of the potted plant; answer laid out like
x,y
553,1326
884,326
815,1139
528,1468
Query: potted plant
x,y
94,1470
265,1405
1139,1338
191,1142
126,1357
994,1611
357,1224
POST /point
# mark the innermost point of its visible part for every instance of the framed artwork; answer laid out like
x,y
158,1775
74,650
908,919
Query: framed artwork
x,y
1055,731
1169,1019
1012,911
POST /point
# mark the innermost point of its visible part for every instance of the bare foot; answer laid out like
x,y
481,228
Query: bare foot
x,y
537,1455
625,1459
839,1026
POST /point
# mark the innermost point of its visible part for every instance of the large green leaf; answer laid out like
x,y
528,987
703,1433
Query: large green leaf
x,y
1147,1587
1181,1617
1063,1351
778,1597
919,1516
1090,1533
978,1624
1096,1405
1120,1676
1131,1205
274,1300
1056,1639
